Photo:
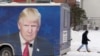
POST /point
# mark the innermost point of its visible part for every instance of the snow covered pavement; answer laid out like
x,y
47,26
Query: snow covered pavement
x,y
94,44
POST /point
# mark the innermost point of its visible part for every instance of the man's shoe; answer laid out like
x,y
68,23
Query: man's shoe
x,y
88,51
78,50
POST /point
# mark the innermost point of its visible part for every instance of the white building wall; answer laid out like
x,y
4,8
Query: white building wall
x,y
93,23
92,8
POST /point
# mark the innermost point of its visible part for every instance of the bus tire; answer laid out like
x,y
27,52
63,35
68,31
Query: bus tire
x,y
6,51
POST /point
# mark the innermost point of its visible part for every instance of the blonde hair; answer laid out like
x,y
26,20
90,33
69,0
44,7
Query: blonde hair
x,y
33,12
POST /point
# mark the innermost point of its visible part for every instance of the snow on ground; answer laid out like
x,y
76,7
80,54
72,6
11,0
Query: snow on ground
x,y
94,44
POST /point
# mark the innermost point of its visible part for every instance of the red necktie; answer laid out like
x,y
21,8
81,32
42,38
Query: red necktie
x,y
26,50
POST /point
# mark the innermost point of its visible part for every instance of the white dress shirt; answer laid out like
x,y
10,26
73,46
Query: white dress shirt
x,y
23,45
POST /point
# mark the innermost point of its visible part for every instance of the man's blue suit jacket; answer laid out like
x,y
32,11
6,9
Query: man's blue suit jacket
x,y
41,46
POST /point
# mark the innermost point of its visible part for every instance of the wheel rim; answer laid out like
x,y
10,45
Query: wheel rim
x,y
6,53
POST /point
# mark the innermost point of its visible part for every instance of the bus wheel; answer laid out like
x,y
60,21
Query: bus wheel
x,y
6,51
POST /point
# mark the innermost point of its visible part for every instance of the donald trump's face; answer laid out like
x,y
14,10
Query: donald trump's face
x,y
28,28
